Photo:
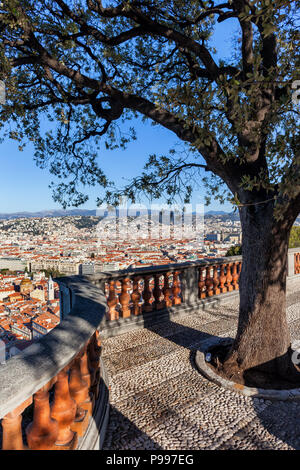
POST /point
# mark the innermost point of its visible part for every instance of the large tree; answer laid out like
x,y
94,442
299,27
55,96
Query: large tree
x,y
74,70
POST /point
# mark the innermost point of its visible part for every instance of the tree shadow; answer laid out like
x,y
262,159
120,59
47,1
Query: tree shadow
x,y
277,419
123,434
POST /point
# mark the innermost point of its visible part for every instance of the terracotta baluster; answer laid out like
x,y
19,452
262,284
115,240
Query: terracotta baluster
x,y
158,294
63,410
216,289
86,377
209,282
167,291
94,352
136,297
42,433
229,277
125,298
239,269
79,391
295,263
147,295
97,338
222,279
201,284
112,301
12,428
235,277
176,288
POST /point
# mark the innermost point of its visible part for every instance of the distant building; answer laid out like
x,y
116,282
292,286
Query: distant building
x,y
13,264
26,286
43,324
50,287
86,268
213,237
38,294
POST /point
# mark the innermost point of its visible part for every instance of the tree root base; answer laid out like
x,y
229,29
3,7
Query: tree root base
x,y
264,377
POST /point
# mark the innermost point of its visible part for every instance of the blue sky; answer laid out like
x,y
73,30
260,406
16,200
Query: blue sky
x,y
24,187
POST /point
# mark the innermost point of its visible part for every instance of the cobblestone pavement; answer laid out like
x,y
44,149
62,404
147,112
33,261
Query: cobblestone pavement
x,y
160,401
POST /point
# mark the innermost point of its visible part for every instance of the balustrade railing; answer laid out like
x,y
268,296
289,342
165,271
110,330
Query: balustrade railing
x,y
142,291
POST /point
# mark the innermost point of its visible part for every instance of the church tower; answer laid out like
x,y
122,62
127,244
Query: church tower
x,y
50,289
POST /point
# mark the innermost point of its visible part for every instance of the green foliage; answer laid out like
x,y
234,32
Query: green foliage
x,y
294,241
235,250
53,273
85,222
88,69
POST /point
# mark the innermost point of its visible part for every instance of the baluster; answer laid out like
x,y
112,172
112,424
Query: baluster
x,y
167,291
209,282
136,297
42,433
216,289
86,377
147,295
158,294
12,428
63,410
297,263
97,338
79,391
176,288
201,284
239,269
112,301
125,298
94,363
222,278
229,277
235,277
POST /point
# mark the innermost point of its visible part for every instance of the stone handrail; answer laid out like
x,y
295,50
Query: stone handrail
x,y
62,374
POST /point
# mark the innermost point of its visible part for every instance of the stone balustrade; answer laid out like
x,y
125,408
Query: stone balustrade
x,y
146,290
55,395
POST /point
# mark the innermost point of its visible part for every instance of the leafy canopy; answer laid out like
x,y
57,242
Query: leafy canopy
x,y
294,241
76,71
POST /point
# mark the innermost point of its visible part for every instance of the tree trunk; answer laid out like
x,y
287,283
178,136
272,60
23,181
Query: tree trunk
x,y
263,338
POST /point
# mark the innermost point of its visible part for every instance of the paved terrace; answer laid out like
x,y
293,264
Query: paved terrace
x,y
160,401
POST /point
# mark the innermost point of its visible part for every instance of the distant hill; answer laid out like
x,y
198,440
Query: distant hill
x,y
216,213
48,213
86,212
233,216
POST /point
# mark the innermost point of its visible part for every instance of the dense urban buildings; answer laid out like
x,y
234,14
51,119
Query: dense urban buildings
x,y
29,308
75,245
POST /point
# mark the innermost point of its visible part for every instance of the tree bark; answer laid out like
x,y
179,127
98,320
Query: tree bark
x,y
263,338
